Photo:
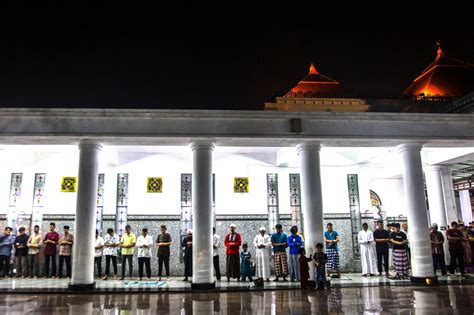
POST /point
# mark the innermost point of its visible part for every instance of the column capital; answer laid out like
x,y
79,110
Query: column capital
x,y
308,146
202,145
416,147
434,167
89,144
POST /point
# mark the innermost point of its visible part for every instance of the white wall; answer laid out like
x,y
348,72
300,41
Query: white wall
x,y
139,166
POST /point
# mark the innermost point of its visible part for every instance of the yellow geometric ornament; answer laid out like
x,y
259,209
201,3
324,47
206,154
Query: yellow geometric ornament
x,y
68,184
154,184
241,184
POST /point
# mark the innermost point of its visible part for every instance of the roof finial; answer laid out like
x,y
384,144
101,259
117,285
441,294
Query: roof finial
x,y
312,69
439,51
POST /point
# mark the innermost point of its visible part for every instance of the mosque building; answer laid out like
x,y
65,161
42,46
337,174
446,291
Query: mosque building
x,y
312,156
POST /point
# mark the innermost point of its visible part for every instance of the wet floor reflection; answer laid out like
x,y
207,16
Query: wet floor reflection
x,y
362,300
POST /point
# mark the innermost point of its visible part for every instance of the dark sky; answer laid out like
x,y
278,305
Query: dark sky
x,y
179,58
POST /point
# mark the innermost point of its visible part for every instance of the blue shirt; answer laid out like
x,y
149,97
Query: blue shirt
x,y
6,244
331,236
294,242
279,238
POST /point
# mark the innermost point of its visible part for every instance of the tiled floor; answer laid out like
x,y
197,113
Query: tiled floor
x,y
42,285
446,299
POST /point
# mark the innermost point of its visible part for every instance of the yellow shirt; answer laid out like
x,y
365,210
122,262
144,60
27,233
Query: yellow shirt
x,y
128,239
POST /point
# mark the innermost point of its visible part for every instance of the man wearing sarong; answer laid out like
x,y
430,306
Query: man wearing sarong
x,y
331,238
280,243
262,245
232,242
400,258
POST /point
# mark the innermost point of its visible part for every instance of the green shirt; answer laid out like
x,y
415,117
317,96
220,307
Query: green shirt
x,y
128,239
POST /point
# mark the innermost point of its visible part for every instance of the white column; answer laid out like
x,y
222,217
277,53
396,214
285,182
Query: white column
x,y
449,199
434,185
311,197
421,259
84,238
202,216
466,208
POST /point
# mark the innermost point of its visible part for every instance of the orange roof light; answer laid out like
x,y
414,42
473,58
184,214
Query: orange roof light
x,y
312,69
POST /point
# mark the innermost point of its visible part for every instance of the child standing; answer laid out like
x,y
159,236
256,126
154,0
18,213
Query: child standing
x,y
304,268
320,259
245,268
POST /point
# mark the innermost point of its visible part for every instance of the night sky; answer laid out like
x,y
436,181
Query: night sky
x,y
177,58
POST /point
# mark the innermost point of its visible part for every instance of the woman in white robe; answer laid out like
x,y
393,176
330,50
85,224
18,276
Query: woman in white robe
x,y
262,245
367,251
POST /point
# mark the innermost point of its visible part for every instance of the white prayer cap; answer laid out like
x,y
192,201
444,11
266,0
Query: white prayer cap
x,y
233,225
262,229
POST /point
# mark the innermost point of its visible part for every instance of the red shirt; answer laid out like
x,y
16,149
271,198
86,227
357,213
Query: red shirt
x,y
50,249
232,238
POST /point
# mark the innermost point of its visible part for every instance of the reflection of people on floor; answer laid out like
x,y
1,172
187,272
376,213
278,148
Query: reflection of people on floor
x,y
367,251
334,300
331,239
295,242
187,246
371,298
262,245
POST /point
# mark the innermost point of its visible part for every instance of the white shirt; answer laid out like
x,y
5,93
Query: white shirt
x,y
111,251
99,241
216,241
144,251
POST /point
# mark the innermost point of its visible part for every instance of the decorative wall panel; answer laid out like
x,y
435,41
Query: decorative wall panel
x,y
68,184
241,184
122,203
272,201
100,202
295,202
354,209
186,216
154,185
15,193
38,199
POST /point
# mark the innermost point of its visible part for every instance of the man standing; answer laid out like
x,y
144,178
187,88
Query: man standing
x,y
34,244
400,258
331,238
280,243
50,240
65,249
437,250
111,244
187,246
127,243
144,244
164,242
99,245
367,251
216,243
382,238
295,242
21,253
456,249
232,242
262,244
6,245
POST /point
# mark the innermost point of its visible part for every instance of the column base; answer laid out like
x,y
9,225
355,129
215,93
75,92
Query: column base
x,y
425,280
203,286
81,287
